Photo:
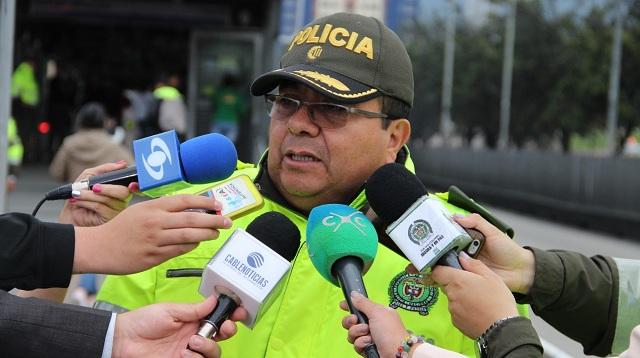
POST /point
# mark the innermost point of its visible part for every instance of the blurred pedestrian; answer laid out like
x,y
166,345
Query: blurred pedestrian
x,y
171,110
228,108
90,146
25,94
15,151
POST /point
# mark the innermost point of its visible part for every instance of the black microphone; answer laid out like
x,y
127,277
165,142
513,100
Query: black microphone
x,y
418,224
165,166
248,269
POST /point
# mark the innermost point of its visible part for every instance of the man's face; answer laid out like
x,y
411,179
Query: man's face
x,y
311,165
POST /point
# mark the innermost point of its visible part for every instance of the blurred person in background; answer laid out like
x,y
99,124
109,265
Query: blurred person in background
x,y
592,300
171,109
15,152
90,146
228,108
25,94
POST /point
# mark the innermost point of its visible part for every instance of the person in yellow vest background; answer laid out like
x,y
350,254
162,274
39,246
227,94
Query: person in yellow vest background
x,y
25,94
172,112
15,151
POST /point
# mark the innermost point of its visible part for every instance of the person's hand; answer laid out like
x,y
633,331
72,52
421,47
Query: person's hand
x,y
166,329
97,206
514,264
385,329
146,234
477,296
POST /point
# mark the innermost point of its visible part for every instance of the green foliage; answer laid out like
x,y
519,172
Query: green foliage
x,y
560,74
589,143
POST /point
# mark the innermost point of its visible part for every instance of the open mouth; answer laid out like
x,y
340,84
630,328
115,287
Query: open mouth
x,y
302,157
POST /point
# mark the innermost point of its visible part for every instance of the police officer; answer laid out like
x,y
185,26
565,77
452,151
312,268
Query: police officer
x,y
338,109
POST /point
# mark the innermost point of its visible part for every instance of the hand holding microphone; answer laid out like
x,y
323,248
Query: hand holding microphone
x,y
342,244
248,269
164,166
99,205
477,296
419,225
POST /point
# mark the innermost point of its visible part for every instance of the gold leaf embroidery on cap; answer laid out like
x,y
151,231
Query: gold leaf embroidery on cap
x,y
326,79
343,95
314,52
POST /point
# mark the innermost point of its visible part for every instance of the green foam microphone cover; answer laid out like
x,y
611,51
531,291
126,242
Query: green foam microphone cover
x,y
335,231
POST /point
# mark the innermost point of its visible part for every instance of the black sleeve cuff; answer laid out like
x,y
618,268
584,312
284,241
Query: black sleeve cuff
x,y
58,249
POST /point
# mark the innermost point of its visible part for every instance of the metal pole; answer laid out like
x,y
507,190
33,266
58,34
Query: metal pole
x,y
446,126
507,73
614,81
7,18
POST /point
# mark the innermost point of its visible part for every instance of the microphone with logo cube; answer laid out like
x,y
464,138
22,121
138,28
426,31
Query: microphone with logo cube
x,y
164,166
419,224
248,269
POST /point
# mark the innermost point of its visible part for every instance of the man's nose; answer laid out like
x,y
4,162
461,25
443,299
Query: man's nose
x,y
301,122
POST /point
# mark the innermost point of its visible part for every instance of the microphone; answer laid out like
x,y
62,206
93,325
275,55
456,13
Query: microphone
x,y
420,225
164,166
342,244
248,268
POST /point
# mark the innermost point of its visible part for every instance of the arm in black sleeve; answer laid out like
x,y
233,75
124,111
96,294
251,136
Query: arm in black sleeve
x,y
34,254
577,295
32,327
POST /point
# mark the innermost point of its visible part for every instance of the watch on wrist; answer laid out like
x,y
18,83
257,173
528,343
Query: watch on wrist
x,y
481,347
482,343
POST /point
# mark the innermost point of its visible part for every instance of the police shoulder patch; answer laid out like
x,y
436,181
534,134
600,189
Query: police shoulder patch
x,y
408,292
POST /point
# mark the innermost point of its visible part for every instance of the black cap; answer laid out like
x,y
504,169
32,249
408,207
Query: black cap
x,y
277,232
392,189
347,57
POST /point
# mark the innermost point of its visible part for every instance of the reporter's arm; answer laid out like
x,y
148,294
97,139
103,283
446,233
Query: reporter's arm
x,y
34,254
32,327
577,295
146,234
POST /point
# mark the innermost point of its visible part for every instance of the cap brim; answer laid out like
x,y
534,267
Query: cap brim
x,y
329,83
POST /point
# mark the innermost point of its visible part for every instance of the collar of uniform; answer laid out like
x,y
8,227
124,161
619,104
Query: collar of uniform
x,y
268,189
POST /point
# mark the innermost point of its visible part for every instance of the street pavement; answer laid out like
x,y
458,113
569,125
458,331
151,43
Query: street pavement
x,y
33,183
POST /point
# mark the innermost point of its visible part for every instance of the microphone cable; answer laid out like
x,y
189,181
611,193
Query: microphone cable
x,y
35,211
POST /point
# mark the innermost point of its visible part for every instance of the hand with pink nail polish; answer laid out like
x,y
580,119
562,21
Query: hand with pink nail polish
x,y
99,205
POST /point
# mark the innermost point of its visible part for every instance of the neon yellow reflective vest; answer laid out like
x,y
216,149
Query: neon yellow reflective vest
x,y
15,150
24,84
166,93
304,320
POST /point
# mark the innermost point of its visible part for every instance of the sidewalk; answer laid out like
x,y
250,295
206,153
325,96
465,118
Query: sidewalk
x,y
33,182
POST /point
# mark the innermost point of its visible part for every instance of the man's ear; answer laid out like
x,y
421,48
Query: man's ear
x,y
399,132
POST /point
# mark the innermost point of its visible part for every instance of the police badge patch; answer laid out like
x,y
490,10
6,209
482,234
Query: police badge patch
x,y
419,231
408,292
